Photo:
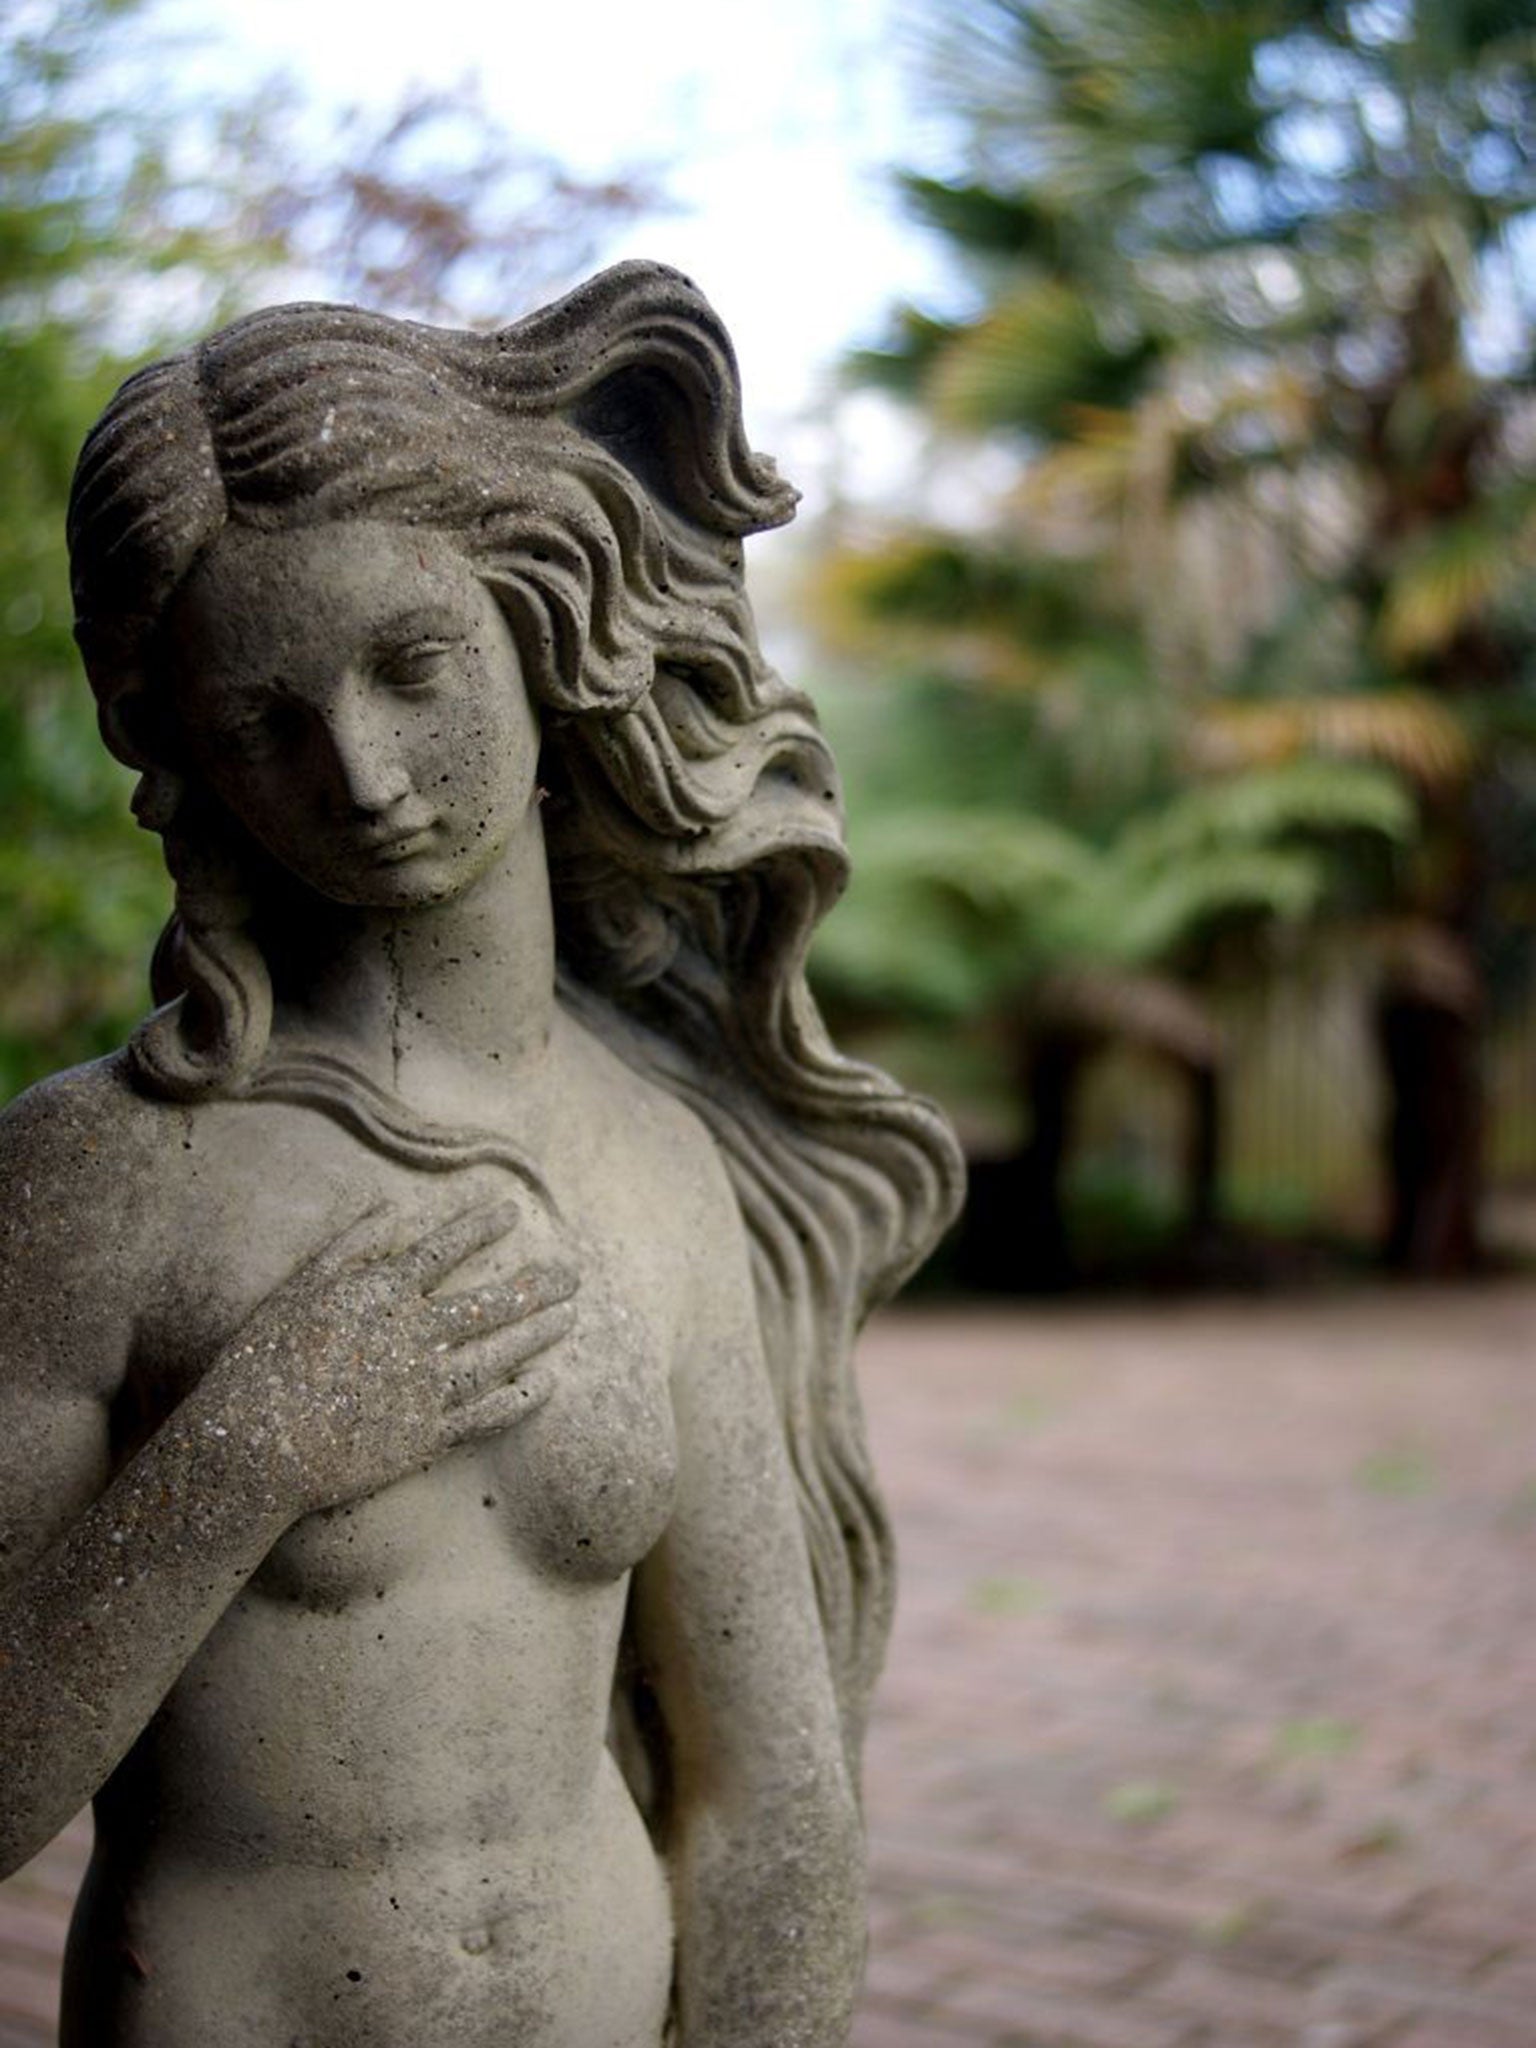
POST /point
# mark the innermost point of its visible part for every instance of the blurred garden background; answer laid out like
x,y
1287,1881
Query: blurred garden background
x,y
1192,777
1159,374
1182,672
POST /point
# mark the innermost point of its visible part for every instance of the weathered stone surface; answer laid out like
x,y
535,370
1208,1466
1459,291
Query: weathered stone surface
x,y
437,1525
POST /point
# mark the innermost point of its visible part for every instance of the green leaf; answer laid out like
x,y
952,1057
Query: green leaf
x,y
1139,1802
985,221
1034,357
1449,577
1265,807
1316,1735
1008,1594
1399,1474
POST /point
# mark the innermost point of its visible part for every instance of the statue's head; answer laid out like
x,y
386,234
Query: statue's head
x,y
352,698
582,478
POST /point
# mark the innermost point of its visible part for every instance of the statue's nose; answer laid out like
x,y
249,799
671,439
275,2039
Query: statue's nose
x,y
371,773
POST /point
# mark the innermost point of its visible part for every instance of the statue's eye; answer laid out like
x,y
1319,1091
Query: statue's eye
x,y
264,730
415,665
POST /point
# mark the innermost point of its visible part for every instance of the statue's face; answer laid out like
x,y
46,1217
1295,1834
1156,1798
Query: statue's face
x,y
353,695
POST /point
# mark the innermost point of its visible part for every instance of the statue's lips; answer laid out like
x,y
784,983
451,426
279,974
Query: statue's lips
x,y
401,845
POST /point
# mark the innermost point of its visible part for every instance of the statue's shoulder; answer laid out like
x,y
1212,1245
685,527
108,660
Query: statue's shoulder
x,y
82,1155
82,1123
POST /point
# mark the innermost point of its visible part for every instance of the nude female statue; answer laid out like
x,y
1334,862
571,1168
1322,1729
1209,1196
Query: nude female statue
x,y
434,1514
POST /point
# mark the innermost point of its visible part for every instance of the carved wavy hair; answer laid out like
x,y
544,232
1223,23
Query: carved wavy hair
x,y
590,461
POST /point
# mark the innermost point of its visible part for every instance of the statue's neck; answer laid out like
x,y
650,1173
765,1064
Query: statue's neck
x,y
430,1002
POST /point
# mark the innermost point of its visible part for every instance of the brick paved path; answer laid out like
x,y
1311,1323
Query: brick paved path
x,y
1211,1716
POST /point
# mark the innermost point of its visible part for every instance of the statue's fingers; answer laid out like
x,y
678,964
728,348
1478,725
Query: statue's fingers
x,y
501,1409
368,1236
508,1401
455,1318
450,1244
500,1356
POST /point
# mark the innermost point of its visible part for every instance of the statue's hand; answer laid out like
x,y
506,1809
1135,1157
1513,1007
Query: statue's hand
x,y
358,1368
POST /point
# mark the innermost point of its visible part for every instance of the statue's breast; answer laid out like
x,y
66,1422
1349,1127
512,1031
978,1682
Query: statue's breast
x,y
579,1490
586,1484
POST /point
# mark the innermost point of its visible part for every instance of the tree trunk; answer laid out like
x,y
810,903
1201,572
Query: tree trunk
x,y
1014,1238
1434,1135
1430,1036
1202,1157
1051,1084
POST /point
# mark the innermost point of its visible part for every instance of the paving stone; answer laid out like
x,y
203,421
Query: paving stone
x,y
34,1931
1318,1676
875,2028
1022,2013
1200,1989
1445,2032
1340,2034
913,1972
28,1990
1510,1979
1359,2008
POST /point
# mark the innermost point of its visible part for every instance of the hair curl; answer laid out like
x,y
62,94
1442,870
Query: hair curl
x,y
591,462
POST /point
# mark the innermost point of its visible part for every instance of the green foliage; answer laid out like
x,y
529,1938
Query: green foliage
x,y
917,343
948,909
82,893
1302,799
1453,573
955,910
1023,610
984,222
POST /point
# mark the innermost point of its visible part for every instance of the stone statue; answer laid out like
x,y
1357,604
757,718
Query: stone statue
x,y
434,1508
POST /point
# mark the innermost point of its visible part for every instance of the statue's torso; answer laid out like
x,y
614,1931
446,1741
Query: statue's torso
x,y
393,1744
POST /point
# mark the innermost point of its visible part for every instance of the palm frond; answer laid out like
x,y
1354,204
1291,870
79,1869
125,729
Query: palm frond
x,y
980,610
943,910
1088,474
1035,356
894,947
984,221
1000,865
1408,730
1139,917
952,911
903,365
1450,577
1305,798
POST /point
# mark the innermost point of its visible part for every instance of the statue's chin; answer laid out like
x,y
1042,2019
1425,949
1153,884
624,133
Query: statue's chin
x,y
413,881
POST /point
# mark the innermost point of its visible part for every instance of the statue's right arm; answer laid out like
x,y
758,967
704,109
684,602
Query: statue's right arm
x,y
107,1584
353,1371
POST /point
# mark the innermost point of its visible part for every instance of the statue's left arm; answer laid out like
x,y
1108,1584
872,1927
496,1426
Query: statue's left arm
x,y
764,1842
